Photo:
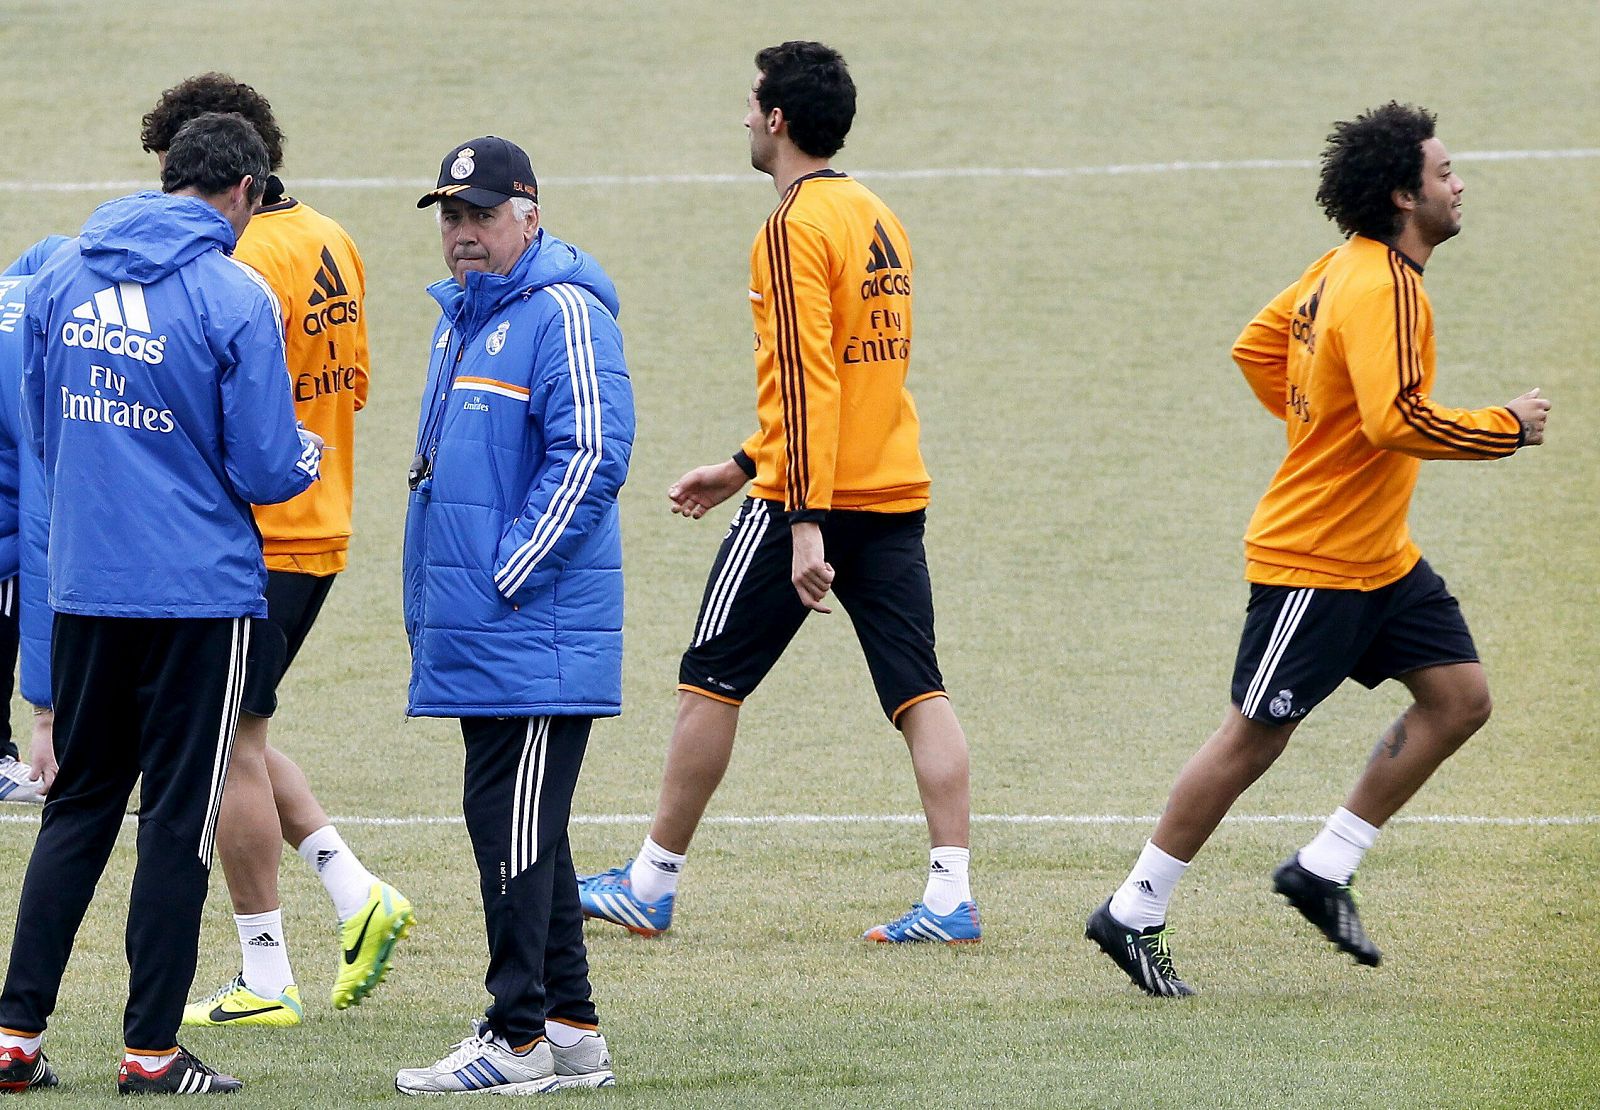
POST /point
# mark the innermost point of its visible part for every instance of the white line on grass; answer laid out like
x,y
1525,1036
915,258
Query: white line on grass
x,y
935,173
1524,821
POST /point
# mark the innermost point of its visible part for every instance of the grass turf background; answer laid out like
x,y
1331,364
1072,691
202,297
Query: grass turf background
x,y
1095,458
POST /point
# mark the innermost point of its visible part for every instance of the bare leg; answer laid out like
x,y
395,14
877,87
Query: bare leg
x,y
697,758
939,760
1224,768
299,812
249,839
1452,703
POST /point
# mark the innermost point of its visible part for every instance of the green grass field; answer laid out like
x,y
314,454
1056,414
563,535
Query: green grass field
x,y
1096,457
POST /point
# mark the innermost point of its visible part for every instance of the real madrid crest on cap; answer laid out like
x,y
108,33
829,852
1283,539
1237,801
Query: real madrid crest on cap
x,y
486,171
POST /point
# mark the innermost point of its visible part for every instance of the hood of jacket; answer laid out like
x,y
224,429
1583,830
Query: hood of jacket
x,y
547,261
144,237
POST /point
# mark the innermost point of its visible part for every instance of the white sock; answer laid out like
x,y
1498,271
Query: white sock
x,y
1141,900
150,1063
655,872
948,885
1336,851
30,1045
266,953
562,1035
347,882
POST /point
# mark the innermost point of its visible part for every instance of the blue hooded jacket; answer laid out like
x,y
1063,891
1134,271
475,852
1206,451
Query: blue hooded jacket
x,y
31,260
24,525
513,548
155,391
13,302
34,615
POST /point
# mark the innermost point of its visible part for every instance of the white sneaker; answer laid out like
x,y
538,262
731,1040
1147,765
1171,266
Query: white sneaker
x,y
17,783
585,1064
483,1064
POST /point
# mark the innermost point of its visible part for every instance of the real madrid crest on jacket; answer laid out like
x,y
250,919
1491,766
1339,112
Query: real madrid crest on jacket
x,y
513,550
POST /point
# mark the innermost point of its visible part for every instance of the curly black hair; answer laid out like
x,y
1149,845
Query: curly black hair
x,y
1366,161
210,92
812,84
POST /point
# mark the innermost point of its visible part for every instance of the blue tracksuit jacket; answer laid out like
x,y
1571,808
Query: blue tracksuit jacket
x,y
513,548
154,390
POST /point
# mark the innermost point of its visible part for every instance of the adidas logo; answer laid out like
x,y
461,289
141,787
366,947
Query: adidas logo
x,y
330,286
324,857
1144,885
329,281
109,321
1302,326
666,865
263,940
937,868
883,256
882,261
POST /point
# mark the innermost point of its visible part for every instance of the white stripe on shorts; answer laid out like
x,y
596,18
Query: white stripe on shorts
x,y
1294,607
740,555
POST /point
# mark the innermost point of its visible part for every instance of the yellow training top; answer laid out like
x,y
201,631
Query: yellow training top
x,y
830,291
316,271
1345,357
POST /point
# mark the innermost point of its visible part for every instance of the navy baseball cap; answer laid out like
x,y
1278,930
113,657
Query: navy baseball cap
x,y
487,171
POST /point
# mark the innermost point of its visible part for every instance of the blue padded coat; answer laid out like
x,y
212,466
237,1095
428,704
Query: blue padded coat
x,y
513,547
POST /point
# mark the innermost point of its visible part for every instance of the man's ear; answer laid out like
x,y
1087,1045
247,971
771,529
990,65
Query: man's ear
x,y
775,121
1404,199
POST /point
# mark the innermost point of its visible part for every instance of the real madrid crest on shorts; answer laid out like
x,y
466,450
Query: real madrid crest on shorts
x,y
462,167
1282,705
497,338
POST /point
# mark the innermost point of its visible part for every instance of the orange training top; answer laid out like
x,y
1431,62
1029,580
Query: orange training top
x,y
313,266
830,291
1345,356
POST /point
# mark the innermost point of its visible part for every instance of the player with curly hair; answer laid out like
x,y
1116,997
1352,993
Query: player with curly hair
x,y
1345,357
314,268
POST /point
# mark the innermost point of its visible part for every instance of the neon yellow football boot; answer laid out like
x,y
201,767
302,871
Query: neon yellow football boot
x,y
367,939
236,1004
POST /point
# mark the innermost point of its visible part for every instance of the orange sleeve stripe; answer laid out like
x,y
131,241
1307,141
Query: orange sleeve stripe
x,y
723,698
466,379
1417,415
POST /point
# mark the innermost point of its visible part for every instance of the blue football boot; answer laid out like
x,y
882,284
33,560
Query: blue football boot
x,y
959,926
609,896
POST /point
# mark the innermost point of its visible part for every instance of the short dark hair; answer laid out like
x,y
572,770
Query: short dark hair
x,y
210,92
811,83
212,152
1366,161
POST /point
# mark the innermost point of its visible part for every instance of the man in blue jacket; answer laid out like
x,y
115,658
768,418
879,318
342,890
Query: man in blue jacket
x,y
19,782
513,595
154,390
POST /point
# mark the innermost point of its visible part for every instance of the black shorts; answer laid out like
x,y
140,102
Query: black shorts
x,y
1299,644
750,611
293,602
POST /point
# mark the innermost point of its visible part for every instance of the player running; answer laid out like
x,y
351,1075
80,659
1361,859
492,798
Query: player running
x,y
1345,357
